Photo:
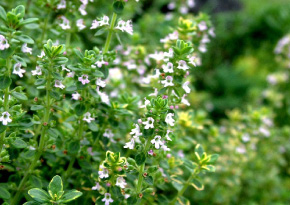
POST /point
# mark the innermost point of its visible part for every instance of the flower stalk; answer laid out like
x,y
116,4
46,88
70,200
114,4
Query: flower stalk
x,y
111,30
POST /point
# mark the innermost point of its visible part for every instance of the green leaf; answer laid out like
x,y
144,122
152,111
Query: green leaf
x,y
19,143
189,165
149,180
37,107
39,195
78,53
19,60
25,39
209,168
4,194
20,11
35,182
116,192
213,158
19,96
198,151
80,109
5,82
152,169
100,32
40,81
55,187
197,184
140,158
70,196
28,21
74,147
32,203
98,74
55,95
3,15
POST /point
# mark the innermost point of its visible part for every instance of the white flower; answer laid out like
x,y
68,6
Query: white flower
x,y
76,96
88,118
58,84
65,23
211,32
37,71
149,123
108,133
165,148
121,182
97,186
157,141
104,21
193,60
182,65
169,119
147,102
157,56
167,135
71,74
100,82
202,26
5,118
101,62
125,26
3,43
107,199
241,150
205,39
155,92
103,172
82,9
17,70
168,55
81,24
64,68
185,101
130,144
185,87
61,5
246,137
104,97
26,49
265,131
136,131
84,79
41,54
168,81
202,48
168,68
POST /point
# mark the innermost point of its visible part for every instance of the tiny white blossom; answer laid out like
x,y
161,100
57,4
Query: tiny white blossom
x,y
202,48
165,148
104,97
185,87
41,54
81,24
167,135
88,118
125,26
182,65
26,49
108,133
202,26
264,131
149,123
168,55
155,92
157,142
101,62
103,172
107,199
76,96
184,100
37,71
71,74
17,70
168,81
246,137
84,79
58,84
3,43
169,119
130,144
104,21
168,68
136,131
64,68
5,118
61,5
97,186
82,9
147,102
100,82
121,182
65,23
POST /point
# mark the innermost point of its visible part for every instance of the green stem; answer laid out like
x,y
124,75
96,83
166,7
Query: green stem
x,y
6,103
20,188
111,30
67,40
181,192
141,169
44,29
